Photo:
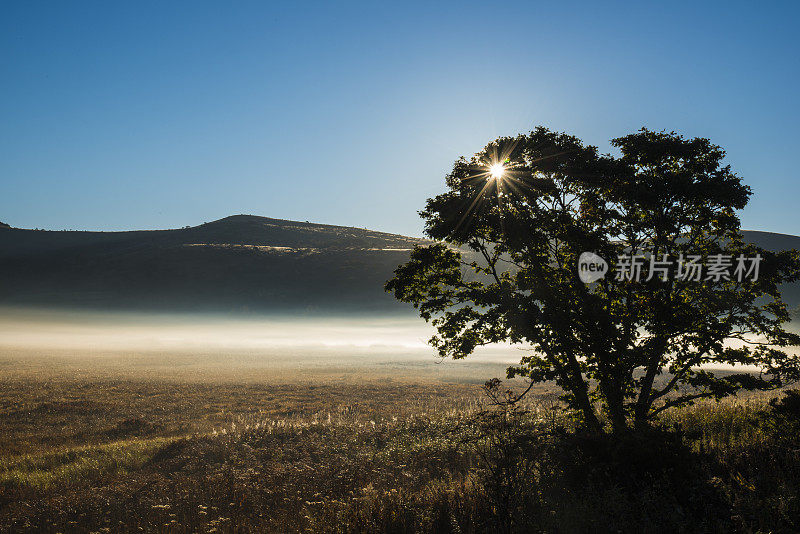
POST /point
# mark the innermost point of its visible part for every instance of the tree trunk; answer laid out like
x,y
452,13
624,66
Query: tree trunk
x,y
590,416
616,410
619,423
640,420
581,391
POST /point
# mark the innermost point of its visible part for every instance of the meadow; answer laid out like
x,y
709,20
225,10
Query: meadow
x,y
141,429
121,455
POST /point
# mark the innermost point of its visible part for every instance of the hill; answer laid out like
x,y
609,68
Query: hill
x,y
233,230
242,262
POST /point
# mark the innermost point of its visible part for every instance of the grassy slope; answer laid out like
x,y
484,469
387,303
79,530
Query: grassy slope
x,y
380,458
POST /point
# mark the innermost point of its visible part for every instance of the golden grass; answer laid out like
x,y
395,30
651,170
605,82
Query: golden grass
x,y
78,465
151,455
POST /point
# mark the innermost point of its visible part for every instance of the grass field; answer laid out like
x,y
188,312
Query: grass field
x,y
354,438
119,455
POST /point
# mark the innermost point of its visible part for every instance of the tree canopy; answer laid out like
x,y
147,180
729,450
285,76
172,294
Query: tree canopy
x,y
509,232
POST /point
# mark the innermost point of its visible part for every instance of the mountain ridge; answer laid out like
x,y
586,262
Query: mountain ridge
x,y
234,229
250,219
239,262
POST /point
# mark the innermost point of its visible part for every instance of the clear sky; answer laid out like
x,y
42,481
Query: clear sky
x,y
126,115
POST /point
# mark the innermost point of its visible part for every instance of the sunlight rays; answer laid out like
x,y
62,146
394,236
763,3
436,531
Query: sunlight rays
x,y
495,168
495,171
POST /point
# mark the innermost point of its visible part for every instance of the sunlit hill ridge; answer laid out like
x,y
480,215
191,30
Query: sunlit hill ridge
x,y
239,263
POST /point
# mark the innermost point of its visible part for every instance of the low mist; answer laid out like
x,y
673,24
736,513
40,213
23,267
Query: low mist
x,y
141,345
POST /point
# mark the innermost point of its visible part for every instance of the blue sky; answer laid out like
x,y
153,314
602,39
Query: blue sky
x,y
165,114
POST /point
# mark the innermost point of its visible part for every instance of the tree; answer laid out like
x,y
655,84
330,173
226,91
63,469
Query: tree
x,y
508,235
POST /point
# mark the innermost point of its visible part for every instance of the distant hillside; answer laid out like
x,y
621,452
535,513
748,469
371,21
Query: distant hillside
x,y
775,242
772,241
236,230
239,263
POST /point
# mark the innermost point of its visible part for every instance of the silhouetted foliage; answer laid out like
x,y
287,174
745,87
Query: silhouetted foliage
x,y
787,406
782,420
505,270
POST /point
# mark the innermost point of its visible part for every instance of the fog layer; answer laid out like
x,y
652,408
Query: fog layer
x,y
139,345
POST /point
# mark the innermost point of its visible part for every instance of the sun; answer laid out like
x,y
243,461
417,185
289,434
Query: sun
x,y
496,171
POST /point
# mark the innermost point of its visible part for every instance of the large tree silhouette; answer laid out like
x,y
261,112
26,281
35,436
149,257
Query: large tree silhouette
x,y
511,227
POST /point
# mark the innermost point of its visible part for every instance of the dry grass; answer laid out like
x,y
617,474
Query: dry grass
x,y
165,456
